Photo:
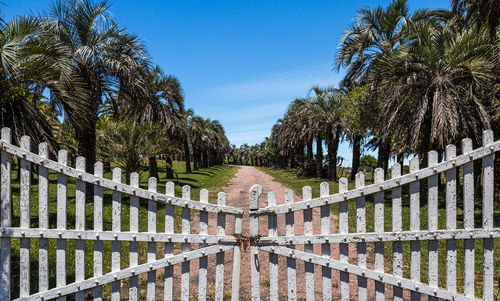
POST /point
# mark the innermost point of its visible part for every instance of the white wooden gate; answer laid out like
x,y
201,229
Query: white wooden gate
x,y
38,238
388,283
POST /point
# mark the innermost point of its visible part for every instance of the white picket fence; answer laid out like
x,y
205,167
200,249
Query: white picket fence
x,y
182,247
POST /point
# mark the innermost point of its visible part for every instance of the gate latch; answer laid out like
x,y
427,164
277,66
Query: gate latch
x,y
247,240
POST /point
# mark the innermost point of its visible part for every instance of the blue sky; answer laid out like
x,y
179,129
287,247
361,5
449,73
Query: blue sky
x,y
240,62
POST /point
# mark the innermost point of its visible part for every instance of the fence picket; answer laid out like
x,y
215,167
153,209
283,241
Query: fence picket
x,y
451,221
379,228
116,227
468,192
186,229
344,248
488,197
324,190
255,193
415,226
5,216
272,221
361,228
397,226
432,208
25,176
133,290
291,266
308,230
202,278
98,223
151,287
219,258
235,290
62,183
43,217
169,246
80,225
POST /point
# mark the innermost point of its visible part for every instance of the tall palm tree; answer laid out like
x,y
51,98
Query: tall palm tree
x,y
376,32
101,56
438,88
480,12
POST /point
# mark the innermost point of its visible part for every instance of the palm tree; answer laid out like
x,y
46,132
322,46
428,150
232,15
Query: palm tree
x,y
102,56
480,12
376,33
158,101
438,87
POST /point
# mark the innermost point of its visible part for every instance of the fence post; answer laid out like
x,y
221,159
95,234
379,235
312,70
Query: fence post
x,y
5,217
116,227
219,257
344,247
415,226
397,226
290,262
169,246
361,228
468,192
255,193
43,217
186,229
324,191
80,225
235,290
203,262
98,223
25,194
488,196
308,231
432,208
273,258
134,245
451,221
151,287
379,228
62,183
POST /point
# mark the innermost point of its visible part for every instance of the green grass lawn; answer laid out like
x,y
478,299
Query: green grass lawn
x,y
210,178
292,181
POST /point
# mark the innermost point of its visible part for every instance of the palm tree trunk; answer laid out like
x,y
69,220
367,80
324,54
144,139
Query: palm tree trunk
x,y
169,168
205,159
153,167
384,150
86,138
319,156
187,156
356,154
310,157
333,145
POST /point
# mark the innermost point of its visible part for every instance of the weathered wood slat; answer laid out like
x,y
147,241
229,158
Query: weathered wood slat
x,y
235,289
116,226
397,226
308,247
272,223
62,183
202,277
43,218
219,258
5,216
432,207
361,228
25,214
451,221
488,197
151,286
186,229
80,225
169,246
379,228
255,193
291,266
414,226
468,195
133,291
326,273
98,226
344,247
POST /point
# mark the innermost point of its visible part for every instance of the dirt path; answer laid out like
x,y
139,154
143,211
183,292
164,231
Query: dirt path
x,y
237,196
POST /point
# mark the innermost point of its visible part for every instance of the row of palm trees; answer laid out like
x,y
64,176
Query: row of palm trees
x,y
413,82
74,77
